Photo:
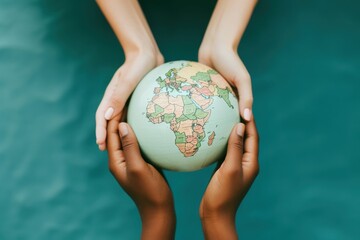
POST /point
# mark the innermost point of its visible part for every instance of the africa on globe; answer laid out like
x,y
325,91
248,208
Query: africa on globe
x,y
182,113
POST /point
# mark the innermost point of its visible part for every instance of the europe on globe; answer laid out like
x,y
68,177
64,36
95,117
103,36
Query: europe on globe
x,y
182,113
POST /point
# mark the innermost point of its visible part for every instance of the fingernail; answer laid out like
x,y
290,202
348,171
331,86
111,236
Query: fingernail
x,y
240,129
109,112
247,114
101,147
123,129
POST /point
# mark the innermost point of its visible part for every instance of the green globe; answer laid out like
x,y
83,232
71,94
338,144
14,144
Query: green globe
x,y
182,113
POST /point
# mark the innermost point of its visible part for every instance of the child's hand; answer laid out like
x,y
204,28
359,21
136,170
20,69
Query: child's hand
x,y
142,182
230,183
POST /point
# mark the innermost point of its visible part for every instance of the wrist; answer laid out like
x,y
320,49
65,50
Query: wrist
x,y
219,227
204,53
151,54
212,50
158,223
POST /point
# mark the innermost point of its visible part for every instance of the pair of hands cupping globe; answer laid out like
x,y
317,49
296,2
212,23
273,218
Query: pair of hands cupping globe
x,y
182,113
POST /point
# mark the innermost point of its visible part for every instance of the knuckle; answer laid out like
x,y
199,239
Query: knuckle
x,y
249,99
246,98
243,77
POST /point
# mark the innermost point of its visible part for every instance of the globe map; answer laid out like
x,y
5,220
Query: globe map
x,y
180,98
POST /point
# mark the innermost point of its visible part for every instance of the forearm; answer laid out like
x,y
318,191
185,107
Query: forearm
x,y
129,24
158,224
219,228
228,23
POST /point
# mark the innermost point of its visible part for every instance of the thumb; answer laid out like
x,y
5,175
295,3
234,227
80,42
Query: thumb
x,y
235,147
245,98
116,94
130,147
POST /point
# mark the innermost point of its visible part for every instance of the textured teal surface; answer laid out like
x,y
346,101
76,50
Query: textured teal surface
x,y
56,58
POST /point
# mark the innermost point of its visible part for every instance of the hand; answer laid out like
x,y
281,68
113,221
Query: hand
x,y
119,89
228,63
141,53
230,183
219,48
141,181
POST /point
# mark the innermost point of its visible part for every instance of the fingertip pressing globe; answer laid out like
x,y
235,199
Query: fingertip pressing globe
x,y
182,113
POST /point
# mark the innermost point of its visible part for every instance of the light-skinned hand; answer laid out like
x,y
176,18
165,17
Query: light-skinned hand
x,y
228,63
220,44
141,55
119,89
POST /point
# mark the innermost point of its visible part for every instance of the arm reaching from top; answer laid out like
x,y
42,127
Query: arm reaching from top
x,y
141,55
219,47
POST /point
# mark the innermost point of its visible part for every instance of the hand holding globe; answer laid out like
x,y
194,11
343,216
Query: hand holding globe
x,y
147,187
182,113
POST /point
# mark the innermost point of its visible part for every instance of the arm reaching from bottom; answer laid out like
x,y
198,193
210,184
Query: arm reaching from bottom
x,y
142,182
230,183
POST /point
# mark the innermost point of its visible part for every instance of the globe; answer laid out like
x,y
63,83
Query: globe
x,y
182,113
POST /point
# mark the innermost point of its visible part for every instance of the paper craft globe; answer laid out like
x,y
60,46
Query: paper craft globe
x,y
182,113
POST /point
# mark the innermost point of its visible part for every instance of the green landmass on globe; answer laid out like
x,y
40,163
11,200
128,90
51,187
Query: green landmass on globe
x,y
183,98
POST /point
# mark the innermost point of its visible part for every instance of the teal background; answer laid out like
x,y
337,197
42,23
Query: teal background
x,y
56,58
